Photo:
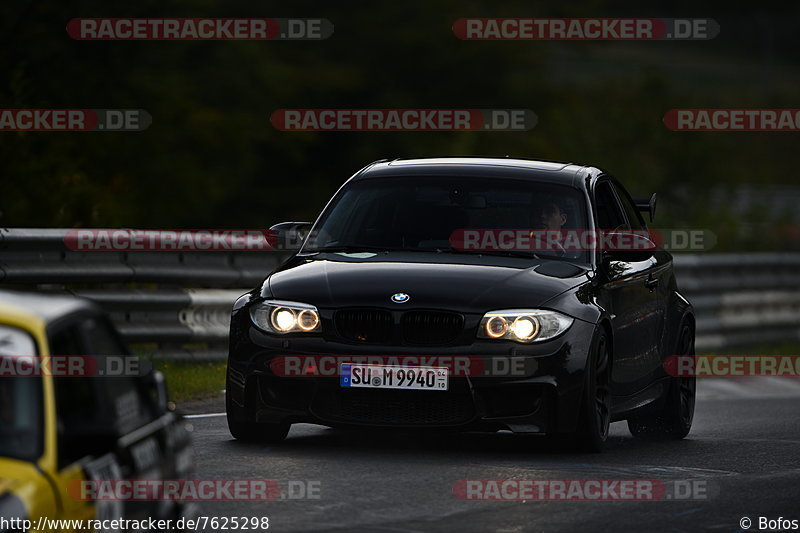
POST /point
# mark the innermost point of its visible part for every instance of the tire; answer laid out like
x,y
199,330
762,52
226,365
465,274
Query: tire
x,y
674,420
243,428
595,412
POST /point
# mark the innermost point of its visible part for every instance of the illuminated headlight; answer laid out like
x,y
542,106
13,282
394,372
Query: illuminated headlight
x,y
285,317
523,325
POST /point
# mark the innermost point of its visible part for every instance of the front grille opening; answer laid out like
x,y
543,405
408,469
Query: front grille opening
x,y
372,326
430,328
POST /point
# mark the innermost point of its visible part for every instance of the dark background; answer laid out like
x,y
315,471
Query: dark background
x,y
211,159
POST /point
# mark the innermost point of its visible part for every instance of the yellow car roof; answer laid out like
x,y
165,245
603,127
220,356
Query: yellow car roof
x,y
44,307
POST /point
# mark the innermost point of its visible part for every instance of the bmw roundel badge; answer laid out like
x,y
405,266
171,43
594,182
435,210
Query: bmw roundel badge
x,y
400,298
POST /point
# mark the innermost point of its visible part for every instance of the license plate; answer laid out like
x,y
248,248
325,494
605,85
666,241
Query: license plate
x,y
393,377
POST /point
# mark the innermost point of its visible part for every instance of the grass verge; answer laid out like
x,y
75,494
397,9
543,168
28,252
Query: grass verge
x,y
188,381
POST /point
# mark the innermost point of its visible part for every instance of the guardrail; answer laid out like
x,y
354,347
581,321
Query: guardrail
x,y
173,305
176,305
742,299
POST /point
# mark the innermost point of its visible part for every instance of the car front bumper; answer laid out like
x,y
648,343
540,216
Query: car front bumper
x,y
533,388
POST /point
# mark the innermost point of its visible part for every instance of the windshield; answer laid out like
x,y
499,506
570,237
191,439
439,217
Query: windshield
x,y
424,213
20,417
20,398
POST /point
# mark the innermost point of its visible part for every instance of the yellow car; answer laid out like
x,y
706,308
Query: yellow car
x,y
59,429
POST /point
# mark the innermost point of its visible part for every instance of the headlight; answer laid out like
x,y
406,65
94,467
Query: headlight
x,y
285,317
523,325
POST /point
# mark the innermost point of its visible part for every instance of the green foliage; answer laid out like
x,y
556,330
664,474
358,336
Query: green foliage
x,y
212,159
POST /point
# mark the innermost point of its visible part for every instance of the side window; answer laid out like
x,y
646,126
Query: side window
x,y
77,406
93,411
86,336
609,214
67,341
100,338
634,217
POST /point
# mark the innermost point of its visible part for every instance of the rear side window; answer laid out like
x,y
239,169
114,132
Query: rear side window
x,y
634,217
609,213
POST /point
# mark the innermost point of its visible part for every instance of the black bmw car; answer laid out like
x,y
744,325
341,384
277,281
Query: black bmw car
x,y
430,294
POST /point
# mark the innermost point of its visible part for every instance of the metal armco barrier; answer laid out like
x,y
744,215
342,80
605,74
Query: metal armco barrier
x,y
176,305
173,305
742,299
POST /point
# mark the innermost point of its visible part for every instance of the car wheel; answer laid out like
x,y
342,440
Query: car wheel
x,y
675,419
243,427
595,413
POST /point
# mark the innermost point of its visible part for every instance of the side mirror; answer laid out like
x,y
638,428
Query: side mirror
x,y
628,246
290,235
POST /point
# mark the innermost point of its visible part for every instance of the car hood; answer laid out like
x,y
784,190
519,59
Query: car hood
x,y
330,283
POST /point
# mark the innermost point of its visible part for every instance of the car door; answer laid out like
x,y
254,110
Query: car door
x,y
658,277
96,415
629,293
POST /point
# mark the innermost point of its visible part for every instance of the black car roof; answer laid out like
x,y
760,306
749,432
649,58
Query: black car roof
x,y
501,167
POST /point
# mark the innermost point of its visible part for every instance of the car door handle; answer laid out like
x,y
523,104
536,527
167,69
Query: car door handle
x,y
651,283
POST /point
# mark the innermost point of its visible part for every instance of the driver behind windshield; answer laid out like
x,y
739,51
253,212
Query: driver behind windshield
x,y
548,220
551,217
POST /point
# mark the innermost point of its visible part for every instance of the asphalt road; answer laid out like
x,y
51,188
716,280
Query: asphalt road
x,y
743,450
